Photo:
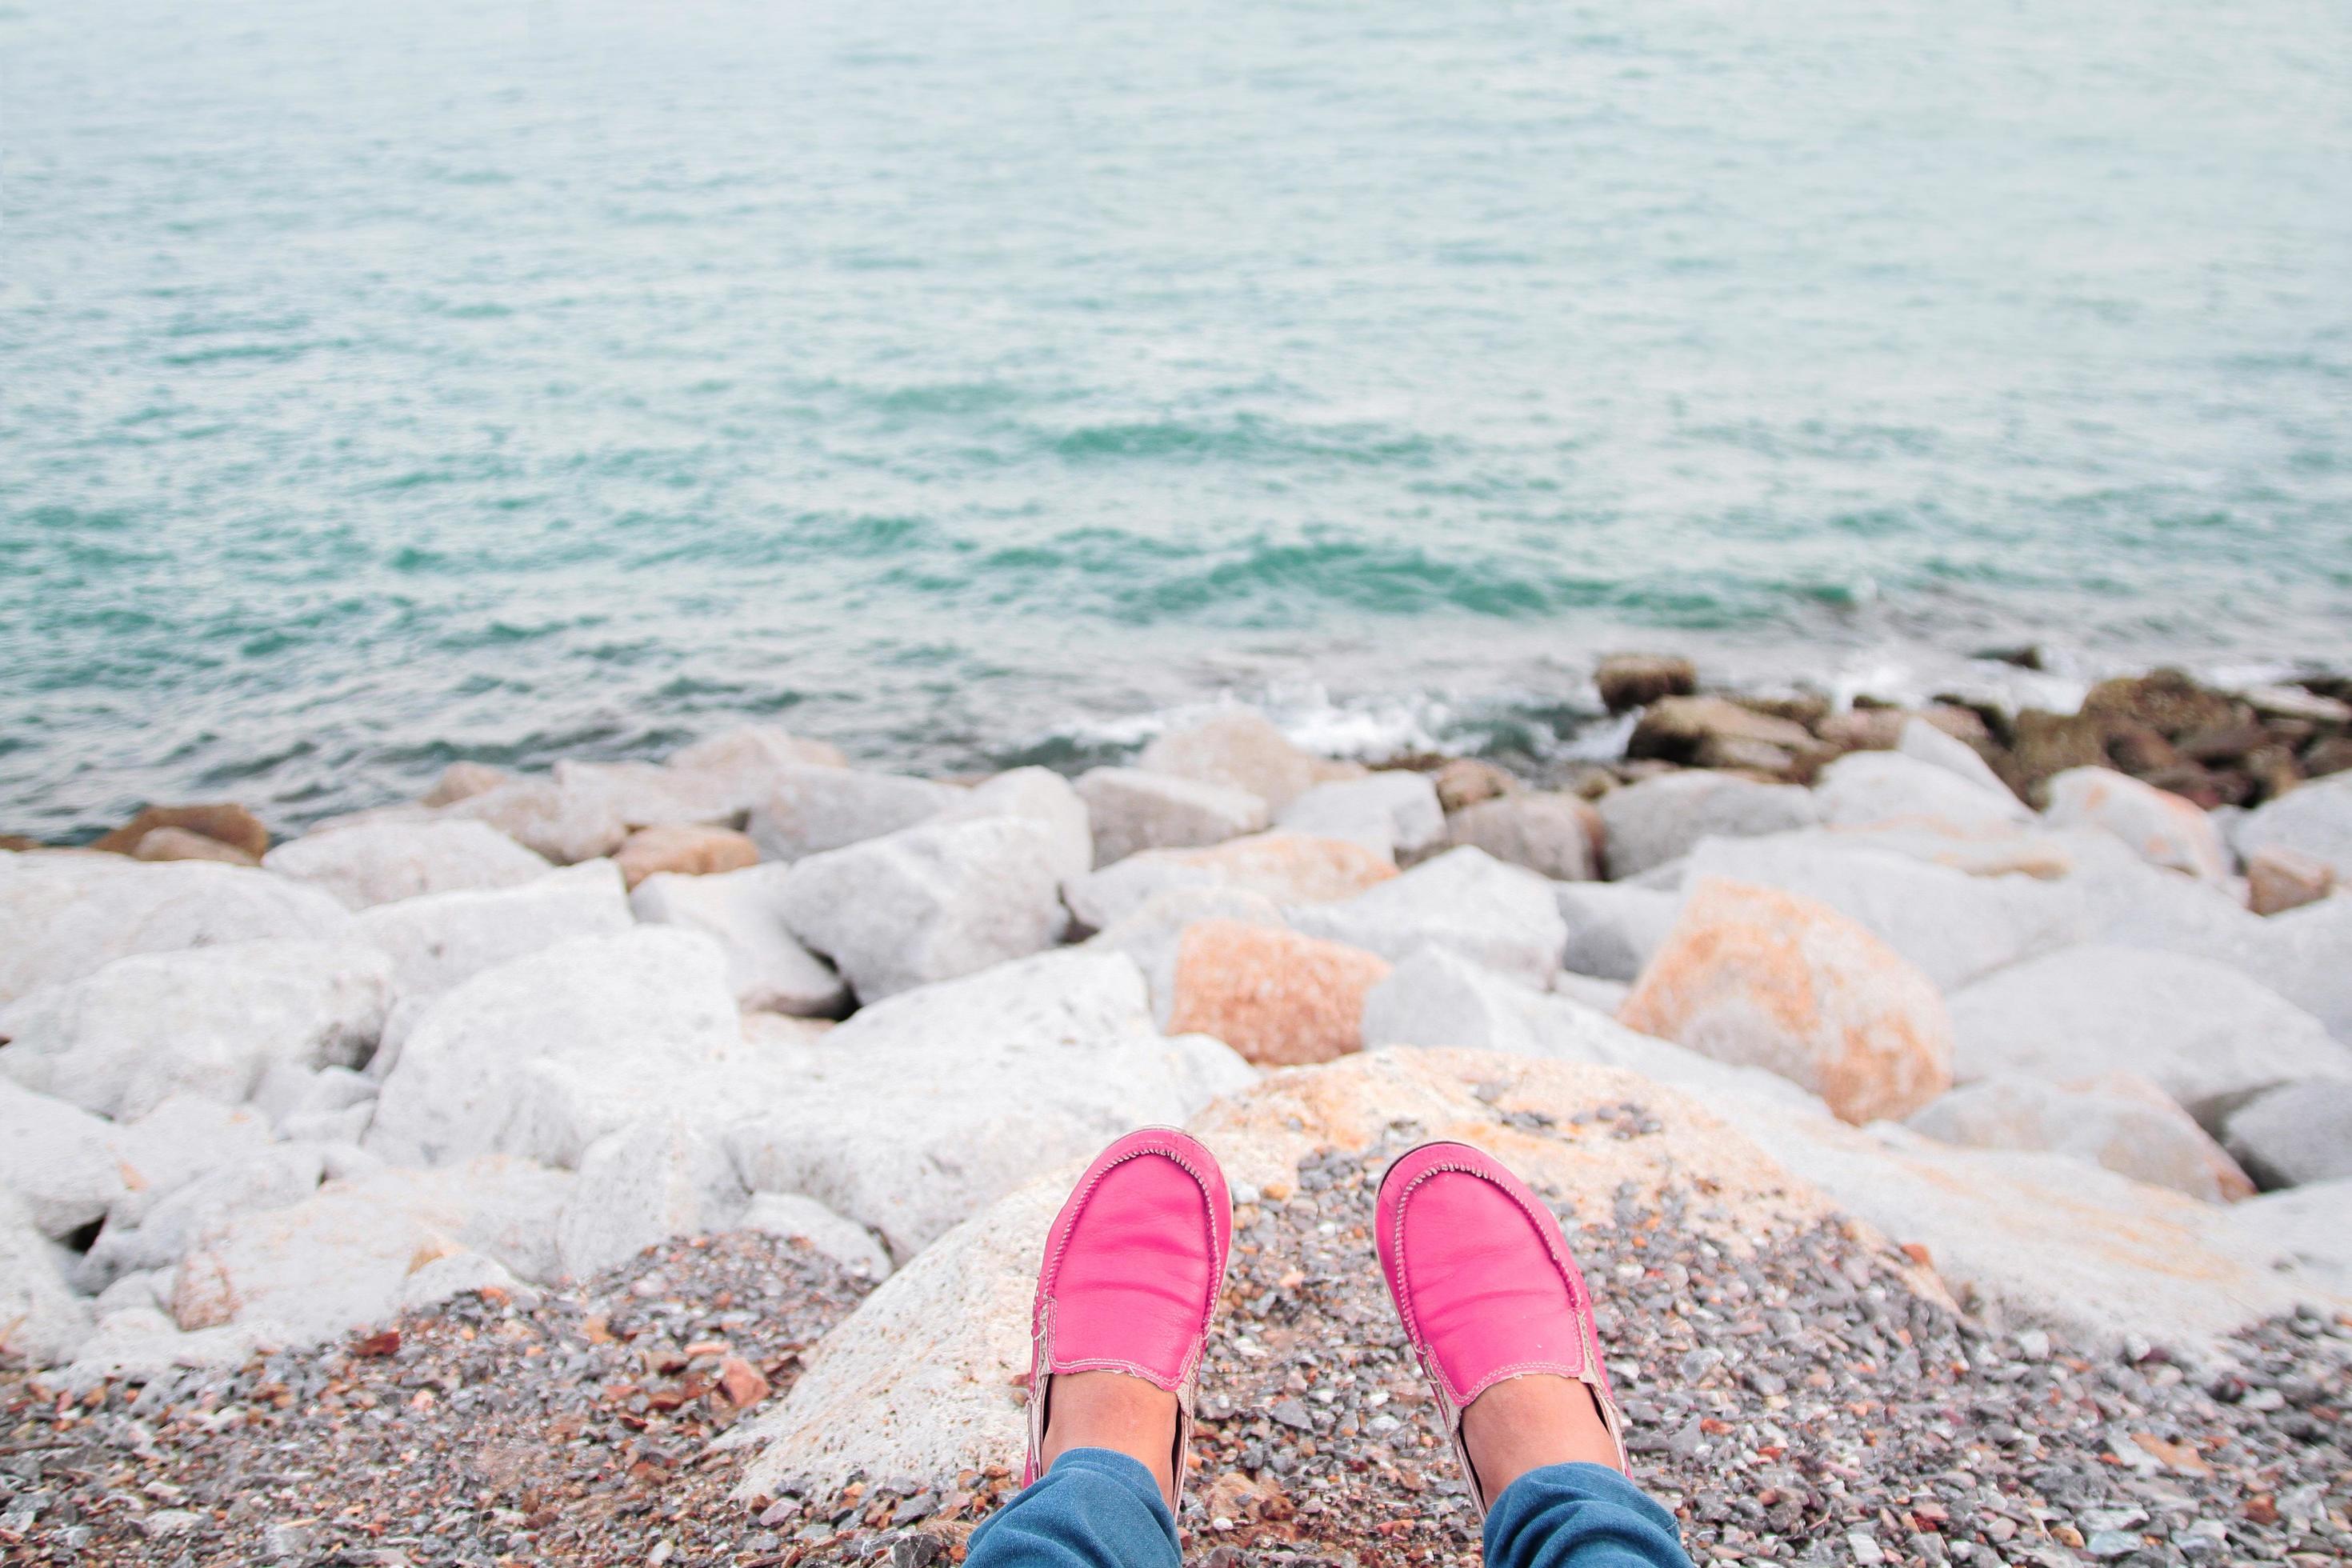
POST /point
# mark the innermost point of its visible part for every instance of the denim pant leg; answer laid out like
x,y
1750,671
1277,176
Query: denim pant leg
x,y
1095,1508
1580,1516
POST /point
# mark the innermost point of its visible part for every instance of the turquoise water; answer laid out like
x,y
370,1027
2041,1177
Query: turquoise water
x,y
383,384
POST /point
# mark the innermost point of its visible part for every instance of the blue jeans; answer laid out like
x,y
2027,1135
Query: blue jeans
x,y
1096,1509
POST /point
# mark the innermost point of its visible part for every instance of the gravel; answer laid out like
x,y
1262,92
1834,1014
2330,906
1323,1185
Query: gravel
x,y
1799,1403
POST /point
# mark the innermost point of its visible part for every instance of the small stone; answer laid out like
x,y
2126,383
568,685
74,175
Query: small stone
x,y
2280,880
226,824
182,843
1293,1414
685,850
1630,680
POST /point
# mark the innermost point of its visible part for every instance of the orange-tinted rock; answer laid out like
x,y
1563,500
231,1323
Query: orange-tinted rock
x,y
180,843
224,823
1278,998
690,851
2161,827
1464,781
1758,977
17,842
2278,880
1630,680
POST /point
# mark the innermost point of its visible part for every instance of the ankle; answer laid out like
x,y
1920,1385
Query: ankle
x,y
1112,1410
1525,1423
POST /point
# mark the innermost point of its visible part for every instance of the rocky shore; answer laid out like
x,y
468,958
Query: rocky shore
x,y
645,1163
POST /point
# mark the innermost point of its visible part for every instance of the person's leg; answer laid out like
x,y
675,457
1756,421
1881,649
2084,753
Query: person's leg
x,y
1133,1267
1580,1516
1095,1508
1501,1320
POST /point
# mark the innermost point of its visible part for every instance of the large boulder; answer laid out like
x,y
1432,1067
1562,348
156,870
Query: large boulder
x,y
146,1235
1131,810
1927,743
743,912
1555,835
381,863
344,1257
929,903
64,914
2201,1030
1613,928
42,1321
2315,820
2160,826
1758,977
1464,901
1630,680
1883,789
1395,814
2294,1134
1715,732
1278,998
684,849
543,1055
810,810
741,766
1661,819
2120,1121
638,1186
225,823
1287,868
56,1158
1240,750
179,1141
442,939
925,1107
567,826
1953,925
209,1021
1043,799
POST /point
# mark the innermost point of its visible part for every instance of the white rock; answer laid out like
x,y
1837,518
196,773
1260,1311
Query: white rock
x,y
812,809
1239,750
208,1021
1953,926
459,1274
1874,789
385,862
930,904
2161,827
1601,995
1659,820
1552,835
158,1234
56,1159
288,1091
2294,1134
743,912
443,940
63,916
2303,1232
566,826
2119,1120
139,1347
2315,819
1395,813
1131,810
1152,934
1043,798
2300,955
1613,928
744,764
2200,1030
923,1107
1924,743
545,1054
639,1186
42,1321
1287,868
346,1127
1464,901
921,1383
342,1259
177,1142
798,1217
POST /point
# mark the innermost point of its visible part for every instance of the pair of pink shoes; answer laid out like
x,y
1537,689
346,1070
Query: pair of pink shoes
x,y
1477,1265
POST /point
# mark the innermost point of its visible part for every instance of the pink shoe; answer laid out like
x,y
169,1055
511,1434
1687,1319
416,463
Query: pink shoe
x,y
1133,1268
1484,1286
